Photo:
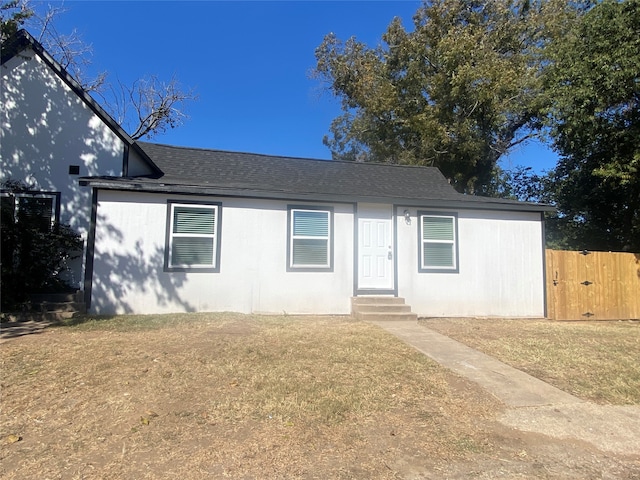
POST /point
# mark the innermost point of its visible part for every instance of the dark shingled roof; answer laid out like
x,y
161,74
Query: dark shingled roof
x,y
203,171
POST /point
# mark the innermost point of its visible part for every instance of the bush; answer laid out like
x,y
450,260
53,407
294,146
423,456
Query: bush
x,y
34,249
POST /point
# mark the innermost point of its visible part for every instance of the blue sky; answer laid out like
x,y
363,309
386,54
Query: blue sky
x,y
248,62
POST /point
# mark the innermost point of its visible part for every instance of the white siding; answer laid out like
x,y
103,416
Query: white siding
x,y
501,260
128,275
46,128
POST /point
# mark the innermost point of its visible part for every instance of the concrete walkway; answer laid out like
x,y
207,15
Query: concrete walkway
x,y
533,405
513,387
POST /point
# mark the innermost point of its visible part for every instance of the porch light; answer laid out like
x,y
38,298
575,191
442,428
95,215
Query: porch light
x,y
407,217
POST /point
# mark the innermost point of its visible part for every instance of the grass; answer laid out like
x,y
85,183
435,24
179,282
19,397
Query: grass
x,y
213,395
275,367
596,361
227,395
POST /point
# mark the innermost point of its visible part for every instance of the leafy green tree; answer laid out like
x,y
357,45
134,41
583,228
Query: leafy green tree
x,y
457,92
13,14
594,80
34,251
526,185
520,183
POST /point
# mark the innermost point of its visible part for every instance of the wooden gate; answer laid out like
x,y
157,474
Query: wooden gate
x,y
592,285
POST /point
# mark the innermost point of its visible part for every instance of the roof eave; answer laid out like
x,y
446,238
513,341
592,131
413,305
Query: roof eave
x,y
135,185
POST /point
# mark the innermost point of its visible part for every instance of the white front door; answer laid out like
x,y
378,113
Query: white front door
x,y
375,247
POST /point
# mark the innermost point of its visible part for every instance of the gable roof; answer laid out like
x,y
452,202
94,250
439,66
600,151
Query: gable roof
x,y
218,172
23,40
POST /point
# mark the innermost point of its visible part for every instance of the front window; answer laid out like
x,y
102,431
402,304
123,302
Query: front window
x,y
438,242
309,239
193,236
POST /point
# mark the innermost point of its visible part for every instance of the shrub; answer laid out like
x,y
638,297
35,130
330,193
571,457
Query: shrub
x,y
35,249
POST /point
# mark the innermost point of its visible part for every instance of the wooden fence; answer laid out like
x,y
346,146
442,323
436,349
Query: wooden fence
x,y
592,285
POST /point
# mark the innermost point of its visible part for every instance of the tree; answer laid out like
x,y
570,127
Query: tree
x,y
594,79
457,92
146,108
34,250
520,183
13,14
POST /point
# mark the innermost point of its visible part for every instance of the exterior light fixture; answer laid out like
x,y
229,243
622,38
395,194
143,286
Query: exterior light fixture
x,y
407,217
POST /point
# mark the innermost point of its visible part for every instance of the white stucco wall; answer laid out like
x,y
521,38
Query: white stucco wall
x,y
501,258
128,274
46,128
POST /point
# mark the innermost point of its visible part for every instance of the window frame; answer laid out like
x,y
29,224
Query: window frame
x,y
55,202
422,268
328,267
217,208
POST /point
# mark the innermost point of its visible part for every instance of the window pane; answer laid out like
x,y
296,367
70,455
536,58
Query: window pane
x,y
310,252
194,220
8,210
438,255
437,228
192,251
310,224
36,210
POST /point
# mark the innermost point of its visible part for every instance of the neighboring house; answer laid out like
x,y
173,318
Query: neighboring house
x,y
52,133
172,229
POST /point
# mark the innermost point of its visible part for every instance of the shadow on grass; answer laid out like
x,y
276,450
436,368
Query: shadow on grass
x,y
19,325
20,328
137,322
82,320
140,322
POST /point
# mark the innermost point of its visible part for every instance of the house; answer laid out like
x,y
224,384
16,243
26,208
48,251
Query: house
x,y
173,229
52,133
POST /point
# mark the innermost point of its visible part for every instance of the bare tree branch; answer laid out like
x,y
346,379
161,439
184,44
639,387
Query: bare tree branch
x,y
69,50
159,105
148,107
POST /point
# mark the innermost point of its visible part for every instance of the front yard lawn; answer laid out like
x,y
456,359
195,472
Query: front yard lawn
x,y
204,396
597,361
215,395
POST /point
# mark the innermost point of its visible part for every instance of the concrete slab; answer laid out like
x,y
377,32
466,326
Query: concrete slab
x,y
611,428
511,386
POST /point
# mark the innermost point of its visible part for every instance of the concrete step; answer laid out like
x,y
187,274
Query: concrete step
x,y
383,307
77,296
377,316
49,317
373,308
59,307
376,299
52,306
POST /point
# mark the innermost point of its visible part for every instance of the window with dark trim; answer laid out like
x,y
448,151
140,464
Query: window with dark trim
x,y
310,238
40,209
193,236
438,242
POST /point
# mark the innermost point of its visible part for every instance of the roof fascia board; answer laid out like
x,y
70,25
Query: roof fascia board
x,y
133,186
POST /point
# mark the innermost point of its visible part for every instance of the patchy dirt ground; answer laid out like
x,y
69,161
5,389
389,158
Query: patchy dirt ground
x,y
231,396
